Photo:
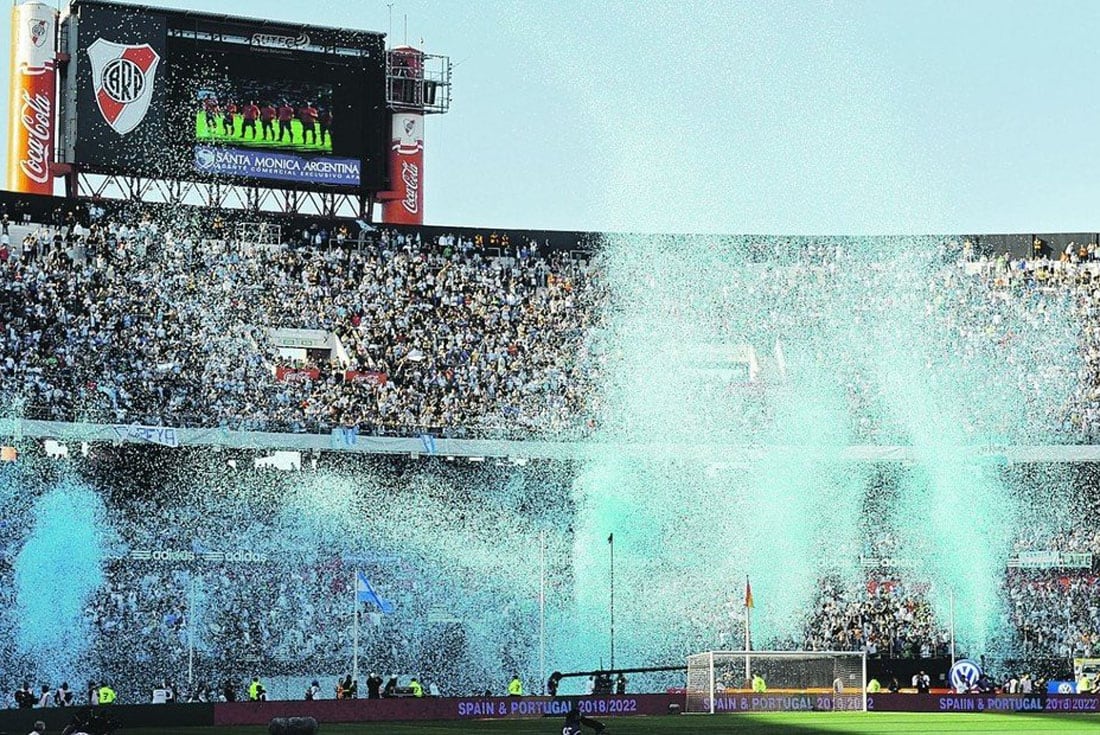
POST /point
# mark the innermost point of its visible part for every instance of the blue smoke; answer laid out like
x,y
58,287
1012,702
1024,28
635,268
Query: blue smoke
x,y
57,571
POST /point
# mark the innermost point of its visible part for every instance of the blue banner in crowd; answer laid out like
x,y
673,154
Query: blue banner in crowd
x,y
262,164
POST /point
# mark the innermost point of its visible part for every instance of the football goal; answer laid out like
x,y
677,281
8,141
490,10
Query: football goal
x,y
762,681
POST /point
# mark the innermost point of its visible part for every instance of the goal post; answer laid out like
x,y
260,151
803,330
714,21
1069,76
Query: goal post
x,y
722,681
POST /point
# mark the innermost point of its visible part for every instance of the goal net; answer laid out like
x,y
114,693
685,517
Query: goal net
x,y
723,681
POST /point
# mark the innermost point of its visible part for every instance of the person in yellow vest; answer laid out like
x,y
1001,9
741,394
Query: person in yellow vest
x,y
1084,685
515,686
254,689
874,687
759,686
417,688
107,695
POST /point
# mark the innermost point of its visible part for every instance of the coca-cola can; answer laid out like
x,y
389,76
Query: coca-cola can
x,y
406,167
32,104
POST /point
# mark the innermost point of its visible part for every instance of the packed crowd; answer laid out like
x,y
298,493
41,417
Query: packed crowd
x,y
890,618
462,337
1070,281
460,334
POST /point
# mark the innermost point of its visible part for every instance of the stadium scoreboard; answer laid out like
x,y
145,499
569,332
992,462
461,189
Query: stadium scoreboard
x,y
190,96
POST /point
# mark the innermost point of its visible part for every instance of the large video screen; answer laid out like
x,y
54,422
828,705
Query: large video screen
x,y
225,100
270,119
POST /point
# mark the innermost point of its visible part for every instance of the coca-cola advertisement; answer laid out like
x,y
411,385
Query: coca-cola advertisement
x,y
406,170
370,377
32,107
296,375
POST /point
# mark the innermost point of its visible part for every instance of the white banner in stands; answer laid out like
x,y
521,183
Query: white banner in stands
x,y
163,435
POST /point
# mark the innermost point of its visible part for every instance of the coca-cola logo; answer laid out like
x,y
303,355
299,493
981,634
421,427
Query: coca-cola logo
x,y
410,175
36,117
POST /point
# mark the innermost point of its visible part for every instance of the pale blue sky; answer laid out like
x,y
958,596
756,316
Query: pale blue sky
x,y
776,117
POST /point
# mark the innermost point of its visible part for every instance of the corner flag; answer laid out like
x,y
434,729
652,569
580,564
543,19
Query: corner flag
x,y
364,592
748,593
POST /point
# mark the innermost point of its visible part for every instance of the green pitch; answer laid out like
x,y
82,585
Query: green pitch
x,y
217,135
884,723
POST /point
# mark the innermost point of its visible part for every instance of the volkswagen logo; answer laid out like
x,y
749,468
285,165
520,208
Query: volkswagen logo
x,y
964,674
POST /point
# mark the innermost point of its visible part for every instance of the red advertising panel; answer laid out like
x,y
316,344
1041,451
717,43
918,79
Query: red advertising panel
x,y
296,375
32,103
372,377
406,170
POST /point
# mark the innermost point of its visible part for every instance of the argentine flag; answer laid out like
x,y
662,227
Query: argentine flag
x,y
364,592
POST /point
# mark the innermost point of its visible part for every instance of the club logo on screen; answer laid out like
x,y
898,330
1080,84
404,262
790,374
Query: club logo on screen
x,y
123,77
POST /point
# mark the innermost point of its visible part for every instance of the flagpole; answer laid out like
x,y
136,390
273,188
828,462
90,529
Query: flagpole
x,y
748,628
611,543
542,609
952,628
748,644
191,634
355,626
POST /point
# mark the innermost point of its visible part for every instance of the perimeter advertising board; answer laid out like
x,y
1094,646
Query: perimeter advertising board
x,y
1031,703
183,95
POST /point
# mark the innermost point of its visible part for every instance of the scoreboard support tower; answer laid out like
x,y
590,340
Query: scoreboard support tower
x,y
417,84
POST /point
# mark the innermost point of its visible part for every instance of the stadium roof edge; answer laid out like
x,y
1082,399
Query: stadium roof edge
x,y
224,17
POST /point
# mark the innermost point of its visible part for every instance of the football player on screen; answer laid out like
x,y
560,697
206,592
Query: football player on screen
x,y
285,115
228,124
210,109
307,115
248,115
324,125
267,121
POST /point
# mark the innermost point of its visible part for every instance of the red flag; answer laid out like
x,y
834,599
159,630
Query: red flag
x,y
748,593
